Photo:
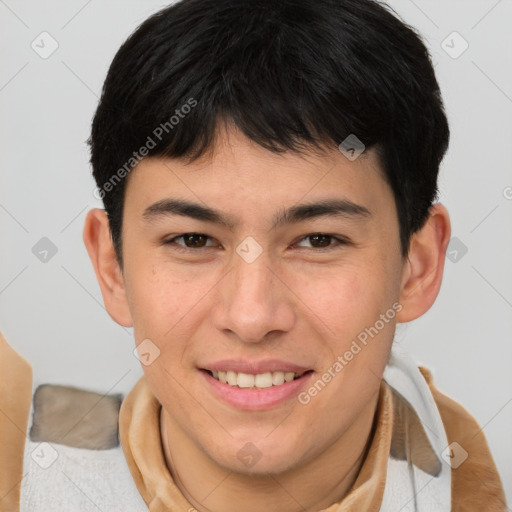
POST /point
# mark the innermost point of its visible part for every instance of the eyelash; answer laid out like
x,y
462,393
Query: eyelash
x,y
339,241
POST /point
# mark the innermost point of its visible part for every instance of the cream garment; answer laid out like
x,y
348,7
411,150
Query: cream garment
x,y
77,480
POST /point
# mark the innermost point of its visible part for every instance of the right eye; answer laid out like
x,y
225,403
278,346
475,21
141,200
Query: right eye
x,y
190,241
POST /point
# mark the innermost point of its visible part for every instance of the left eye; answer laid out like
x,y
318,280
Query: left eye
x,y
320,241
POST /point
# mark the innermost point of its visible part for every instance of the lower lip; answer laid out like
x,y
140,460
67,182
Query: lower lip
x,y
256,399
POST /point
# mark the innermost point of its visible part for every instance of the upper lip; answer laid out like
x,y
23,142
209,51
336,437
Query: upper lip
x,y
255,367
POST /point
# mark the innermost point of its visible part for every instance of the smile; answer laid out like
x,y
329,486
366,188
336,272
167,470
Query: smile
x,y
255,391
257,381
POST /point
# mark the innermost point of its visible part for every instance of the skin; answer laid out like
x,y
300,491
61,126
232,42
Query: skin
x,y
298,301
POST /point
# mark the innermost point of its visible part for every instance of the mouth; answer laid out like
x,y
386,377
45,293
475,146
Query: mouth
x,y
255,381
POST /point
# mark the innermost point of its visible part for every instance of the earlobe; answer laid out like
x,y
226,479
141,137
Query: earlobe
x,y
423,270
99,245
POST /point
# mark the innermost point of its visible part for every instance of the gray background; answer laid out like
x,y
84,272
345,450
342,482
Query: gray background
x,y
52,312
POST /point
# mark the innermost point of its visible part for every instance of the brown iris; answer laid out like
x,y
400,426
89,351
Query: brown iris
x,y
195,240
320,240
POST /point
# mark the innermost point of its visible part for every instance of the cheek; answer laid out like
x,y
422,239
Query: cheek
x,y
160,298
344,298
347,306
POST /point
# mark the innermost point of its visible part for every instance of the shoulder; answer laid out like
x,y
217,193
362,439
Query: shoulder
x,y
73,459
476,483
60,477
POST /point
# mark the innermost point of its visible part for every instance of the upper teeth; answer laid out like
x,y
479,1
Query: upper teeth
x,y
260,380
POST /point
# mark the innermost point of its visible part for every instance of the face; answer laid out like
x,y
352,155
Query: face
x,y
269,267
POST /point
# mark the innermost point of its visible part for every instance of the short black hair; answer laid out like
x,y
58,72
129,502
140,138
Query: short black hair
x,y
291,75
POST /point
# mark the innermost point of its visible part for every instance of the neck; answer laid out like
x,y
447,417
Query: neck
x,y
315,485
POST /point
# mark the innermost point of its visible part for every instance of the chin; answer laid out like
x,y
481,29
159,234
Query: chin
x,y
256,458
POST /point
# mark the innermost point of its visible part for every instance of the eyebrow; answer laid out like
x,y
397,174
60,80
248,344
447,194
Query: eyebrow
x,y
293,215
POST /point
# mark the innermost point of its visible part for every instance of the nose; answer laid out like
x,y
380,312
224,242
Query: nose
x,y
254,302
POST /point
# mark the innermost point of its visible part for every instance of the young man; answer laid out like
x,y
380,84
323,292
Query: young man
x,y
269,175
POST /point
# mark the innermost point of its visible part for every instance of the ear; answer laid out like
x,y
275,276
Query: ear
x,y
98,241
423,270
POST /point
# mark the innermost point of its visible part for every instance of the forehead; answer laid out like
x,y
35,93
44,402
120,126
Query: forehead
x,y
237,173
